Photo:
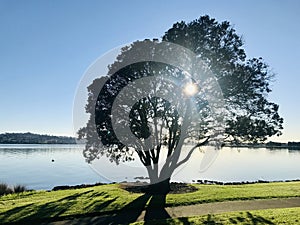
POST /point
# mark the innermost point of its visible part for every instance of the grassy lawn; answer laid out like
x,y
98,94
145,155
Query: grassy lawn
x,y
219,193
275,216
42,205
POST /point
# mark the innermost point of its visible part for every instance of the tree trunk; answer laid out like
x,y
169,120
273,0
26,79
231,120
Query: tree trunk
x,y
161,188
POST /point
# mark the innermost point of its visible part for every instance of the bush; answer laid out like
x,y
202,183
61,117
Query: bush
x,y
19,188
5,189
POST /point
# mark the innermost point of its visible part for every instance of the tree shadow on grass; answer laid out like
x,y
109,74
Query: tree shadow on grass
x,y
130,212
244,218
20,211
46,212
57,208
155,210
258,219
54,210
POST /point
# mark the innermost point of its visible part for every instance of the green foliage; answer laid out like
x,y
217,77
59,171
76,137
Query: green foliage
x,y
6,189
245,83
18,188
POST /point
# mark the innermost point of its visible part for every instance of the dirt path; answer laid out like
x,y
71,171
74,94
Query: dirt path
x,y
183,211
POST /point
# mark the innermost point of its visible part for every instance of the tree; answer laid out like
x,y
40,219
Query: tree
x,y
151,108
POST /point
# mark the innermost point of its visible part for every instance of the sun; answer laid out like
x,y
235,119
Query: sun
x,y
190,89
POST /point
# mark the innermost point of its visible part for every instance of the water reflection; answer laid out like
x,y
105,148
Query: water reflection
x,y
18,150
46,166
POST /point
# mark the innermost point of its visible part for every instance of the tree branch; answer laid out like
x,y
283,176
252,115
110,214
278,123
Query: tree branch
x,y
191,151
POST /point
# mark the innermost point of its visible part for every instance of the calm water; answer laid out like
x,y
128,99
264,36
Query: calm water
x,y
32,165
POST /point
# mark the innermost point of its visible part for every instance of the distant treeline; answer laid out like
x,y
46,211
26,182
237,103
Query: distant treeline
x,y
29,138
289,145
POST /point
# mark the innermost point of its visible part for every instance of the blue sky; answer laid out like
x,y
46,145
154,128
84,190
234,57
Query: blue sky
x,y
46,46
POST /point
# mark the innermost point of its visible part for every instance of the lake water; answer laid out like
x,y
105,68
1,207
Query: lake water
x,y
32,165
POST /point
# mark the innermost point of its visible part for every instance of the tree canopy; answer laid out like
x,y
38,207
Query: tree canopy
x,y
245,83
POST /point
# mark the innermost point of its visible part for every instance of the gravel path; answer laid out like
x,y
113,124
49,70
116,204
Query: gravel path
x,y
183,211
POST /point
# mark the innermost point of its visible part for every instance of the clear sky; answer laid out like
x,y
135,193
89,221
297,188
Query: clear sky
x,y
46,46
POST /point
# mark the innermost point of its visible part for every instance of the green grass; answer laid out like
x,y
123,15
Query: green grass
x,y
218,193
42,205
275,216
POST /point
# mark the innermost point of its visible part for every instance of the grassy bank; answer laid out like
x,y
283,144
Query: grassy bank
x,y
56,205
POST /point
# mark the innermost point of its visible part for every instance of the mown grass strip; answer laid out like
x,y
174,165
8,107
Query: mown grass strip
x,y
218,193
288,216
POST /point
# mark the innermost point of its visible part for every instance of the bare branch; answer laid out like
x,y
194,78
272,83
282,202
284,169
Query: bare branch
x,y
191,152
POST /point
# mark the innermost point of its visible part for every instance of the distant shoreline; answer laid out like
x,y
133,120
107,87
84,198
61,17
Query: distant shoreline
x,y
30,138
206,182
269,145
